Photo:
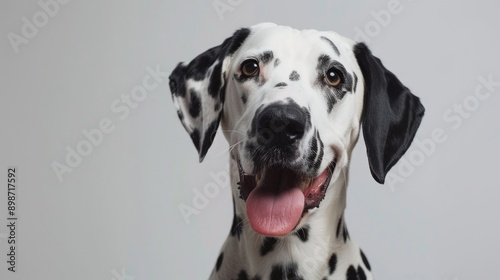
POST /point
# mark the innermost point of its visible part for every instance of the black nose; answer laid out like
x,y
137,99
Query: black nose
x,y
281,124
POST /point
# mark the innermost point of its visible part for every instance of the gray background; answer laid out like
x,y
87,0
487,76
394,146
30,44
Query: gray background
x,y
116,216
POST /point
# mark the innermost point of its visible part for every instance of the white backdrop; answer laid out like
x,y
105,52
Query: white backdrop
x,y
69,69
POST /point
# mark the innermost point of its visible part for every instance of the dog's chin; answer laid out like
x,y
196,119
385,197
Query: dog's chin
x,y
278,198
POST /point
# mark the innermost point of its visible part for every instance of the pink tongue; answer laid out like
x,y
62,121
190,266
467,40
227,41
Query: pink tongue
x,y
275,213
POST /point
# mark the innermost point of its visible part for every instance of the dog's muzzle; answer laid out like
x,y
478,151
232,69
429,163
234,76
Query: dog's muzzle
x,y
281,187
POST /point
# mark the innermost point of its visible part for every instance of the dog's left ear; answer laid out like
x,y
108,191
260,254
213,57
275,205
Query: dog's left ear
x,y
391,114
198,91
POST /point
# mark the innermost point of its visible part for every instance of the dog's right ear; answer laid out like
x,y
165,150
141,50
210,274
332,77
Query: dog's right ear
x,y
198,90
391,114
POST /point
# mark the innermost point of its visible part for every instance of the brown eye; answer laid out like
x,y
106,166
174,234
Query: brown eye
x,y
250,68
333,77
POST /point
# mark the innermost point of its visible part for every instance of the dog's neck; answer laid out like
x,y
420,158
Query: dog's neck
x,y
321,242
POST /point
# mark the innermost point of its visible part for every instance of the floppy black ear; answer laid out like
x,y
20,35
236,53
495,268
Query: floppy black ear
x,y
198,91
391,114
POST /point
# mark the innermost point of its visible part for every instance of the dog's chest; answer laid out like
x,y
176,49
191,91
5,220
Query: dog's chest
x,y
299,257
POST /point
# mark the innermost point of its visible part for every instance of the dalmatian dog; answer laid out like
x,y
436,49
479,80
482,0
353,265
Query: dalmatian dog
x,y
291,104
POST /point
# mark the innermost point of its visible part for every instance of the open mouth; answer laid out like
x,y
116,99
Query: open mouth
x,y
277,197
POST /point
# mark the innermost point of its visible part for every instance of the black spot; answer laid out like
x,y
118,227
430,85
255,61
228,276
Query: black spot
x,y
209,136
355,82
215,80
219,261
345,234
195,136
339,225
277,273
365,260
277,62
303,233
180,115
335,49
197,69
244,98
266,57
361,273
237,40
332,263
330,101
236,227
280,85
177,81
323,62
242,275
289,272
321,153
267,245
313,151
195,104
173,86
294,76
222,93
217,106
351,273
292,273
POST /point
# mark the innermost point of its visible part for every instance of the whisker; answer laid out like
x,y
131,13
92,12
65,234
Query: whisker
x,y
230,148
232,130
233,146
223,152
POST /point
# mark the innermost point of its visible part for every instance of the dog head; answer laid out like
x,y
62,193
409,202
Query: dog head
x,y
292,103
